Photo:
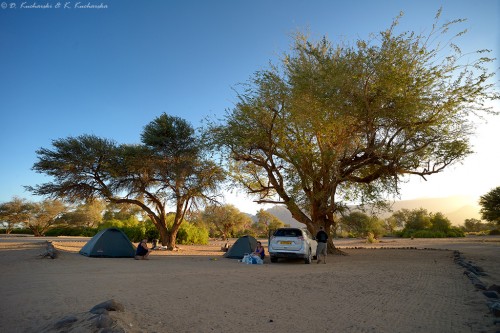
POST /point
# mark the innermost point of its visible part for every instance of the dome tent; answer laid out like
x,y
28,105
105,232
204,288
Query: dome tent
x,y
244,245
109,243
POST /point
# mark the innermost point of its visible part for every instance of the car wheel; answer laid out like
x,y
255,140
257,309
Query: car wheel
x,y
308,259
274,259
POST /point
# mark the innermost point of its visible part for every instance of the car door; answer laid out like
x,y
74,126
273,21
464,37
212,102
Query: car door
x,y
312,243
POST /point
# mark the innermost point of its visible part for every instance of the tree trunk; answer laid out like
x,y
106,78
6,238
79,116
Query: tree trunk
x,y
36,231
164,234
172,240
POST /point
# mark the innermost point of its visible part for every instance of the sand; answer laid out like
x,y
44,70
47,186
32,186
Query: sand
x,y
396,285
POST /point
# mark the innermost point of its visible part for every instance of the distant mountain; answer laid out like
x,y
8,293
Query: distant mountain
x,y
284,215
455,208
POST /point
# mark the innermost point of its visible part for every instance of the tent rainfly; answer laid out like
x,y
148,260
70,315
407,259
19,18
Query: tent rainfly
x,y
244,245
109,243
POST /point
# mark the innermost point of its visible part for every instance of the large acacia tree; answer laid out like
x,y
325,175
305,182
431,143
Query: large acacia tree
x,y
337,123
168,169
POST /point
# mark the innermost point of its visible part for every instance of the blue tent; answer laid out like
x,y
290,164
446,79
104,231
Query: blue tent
x,y
109,243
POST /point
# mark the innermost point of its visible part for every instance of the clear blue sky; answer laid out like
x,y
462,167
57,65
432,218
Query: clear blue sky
x,y
109,72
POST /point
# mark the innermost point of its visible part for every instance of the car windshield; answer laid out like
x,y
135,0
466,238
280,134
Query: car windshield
x,y
288,233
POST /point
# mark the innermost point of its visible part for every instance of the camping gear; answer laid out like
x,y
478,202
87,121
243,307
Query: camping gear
x,y
244,245
109,243
252,259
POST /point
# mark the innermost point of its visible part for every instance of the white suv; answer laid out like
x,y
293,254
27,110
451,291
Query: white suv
x,y
292,243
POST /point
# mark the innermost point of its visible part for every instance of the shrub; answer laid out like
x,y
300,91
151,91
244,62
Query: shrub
x,y
19,231
455,232
495,232
371,238
71,231
192,234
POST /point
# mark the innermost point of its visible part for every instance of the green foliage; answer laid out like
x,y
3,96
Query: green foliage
x,y
371,238
474,225
494,232
490,206
439,222
192,234
452,232
337,123
360,224
419,223
169,168
71,231
455,232
15,213
20,231
226,221
265,222
133,228
151,231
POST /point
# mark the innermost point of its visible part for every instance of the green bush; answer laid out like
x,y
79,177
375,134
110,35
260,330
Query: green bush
x,y
71,231
135,233
134,229
191,234
371,238
19,231
453,232
151,231
495,232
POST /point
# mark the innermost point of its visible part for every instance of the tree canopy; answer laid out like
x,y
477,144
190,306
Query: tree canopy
x,y
225,220
337,123
15,212
490,206
168,169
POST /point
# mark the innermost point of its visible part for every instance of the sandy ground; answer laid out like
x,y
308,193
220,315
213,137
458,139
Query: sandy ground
x,y
397,285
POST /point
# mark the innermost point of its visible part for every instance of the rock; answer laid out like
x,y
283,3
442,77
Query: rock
x,y
494,287
475,280
112,330
104,321
490,294
110,305
65,322
50,251
495,308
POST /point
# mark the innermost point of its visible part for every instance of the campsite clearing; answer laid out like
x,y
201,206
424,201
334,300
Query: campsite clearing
x,y
411,289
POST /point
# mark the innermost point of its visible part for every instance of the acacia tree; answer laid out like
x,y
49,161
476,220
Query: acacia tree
x,y
89,214
267,221
168,168
226,220
16,211
490,206
361,224
43,215
347,123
